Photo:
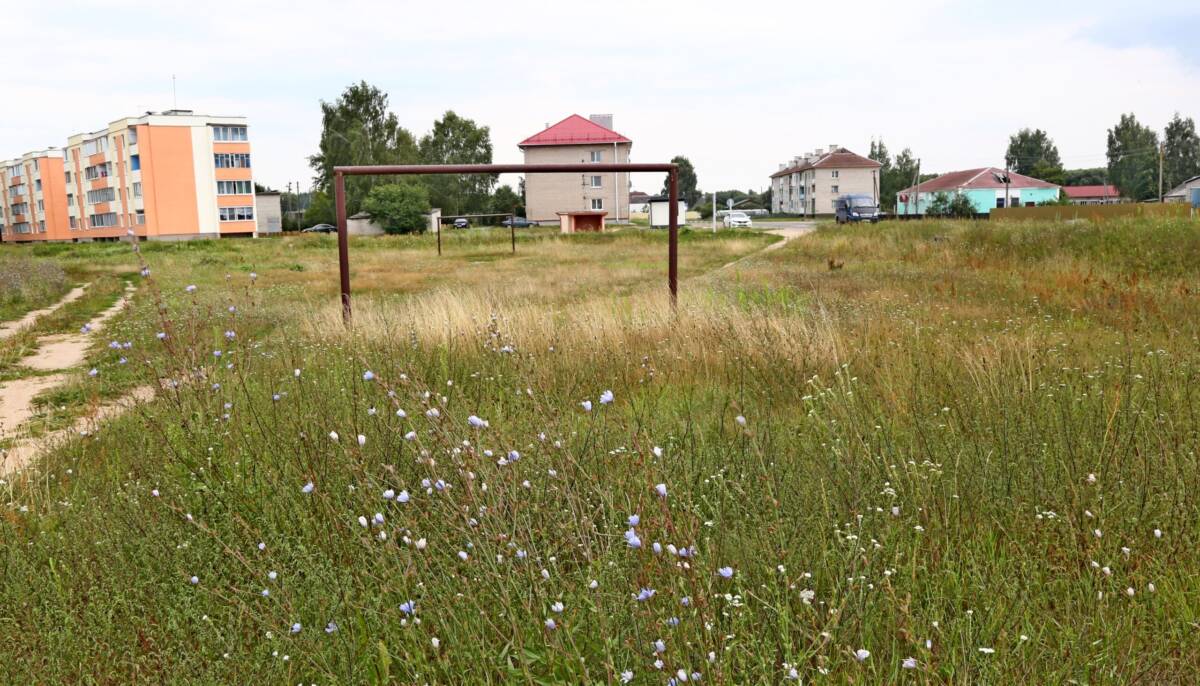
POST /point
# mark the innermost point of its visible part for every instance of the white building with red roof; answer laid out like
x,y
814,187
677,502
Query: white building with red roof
x,y
1096,194
811,183
988,188
572,141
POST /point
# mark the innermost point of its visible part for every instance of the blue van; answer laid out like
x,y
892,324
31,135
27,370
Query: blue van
x,y
856,208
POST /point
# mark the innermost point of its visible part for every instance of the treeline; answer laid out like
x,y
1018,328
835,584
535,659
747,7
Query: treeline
x,y
359,129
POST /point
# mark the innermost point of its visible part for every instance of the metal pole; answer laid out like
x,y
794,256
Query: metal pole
x,y
714,217
439,233
673,237
512,229
339,194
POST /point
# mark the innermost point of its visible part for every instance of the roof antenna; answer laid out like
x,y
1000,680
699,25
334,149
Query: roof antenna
x,y
174,97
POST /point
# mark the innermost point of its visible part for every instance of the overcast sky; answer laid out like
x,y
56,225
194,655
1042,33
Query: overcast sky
x,y
738,87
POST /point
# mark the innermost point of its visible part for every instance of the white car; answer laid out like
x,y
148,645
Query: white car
x,y
737,220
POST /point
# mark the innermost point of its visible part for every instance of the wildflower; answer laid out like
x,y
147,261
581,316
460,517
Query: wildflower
x,y
1091,479
740,420
1150,587
513,456
266,593
389,494
154,492
402,497
362,521
368,375
379,518
726,572
272,575
145,271
660,647
593,584
586,405
401,414
262,546
477,422
546,574
191,288
1097,533
895,510
550,624
296,628
1158,533
161,335
408,607
645,594
1129,591
331,627
296,373
685,601
658,452
862,654
661,490
631,538
521,554
410,436
557,606
93,372
362,440
909,663
230,335
421,543
435,642
308,488
634,520
195,580
606,397
657,548
433,413
462,555
987,651
626,676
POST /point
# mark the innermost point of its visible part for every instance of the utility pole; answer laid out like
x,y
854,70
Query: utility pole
x,y
1162,148
1007,180
714,217
917,190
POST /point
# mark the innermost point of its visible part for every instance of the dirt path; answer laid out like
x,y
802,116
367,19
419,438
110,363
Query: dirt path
x,y
8,329
788,231
56,353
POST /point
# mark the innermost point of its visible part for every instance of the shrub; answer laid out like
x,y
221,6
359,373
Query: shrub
x,y
398,207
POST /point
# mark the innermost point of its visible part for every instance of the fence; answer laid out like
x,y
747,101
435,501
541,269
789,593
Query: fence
x,y
1090,212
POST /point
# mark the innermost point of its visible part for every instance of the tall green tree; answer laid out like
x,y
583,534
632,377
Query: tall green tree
x,y
688,192
399,207
1133,159
887,194
1094,176
458,140
1032,150
356,129
505,199
900,175
1181,152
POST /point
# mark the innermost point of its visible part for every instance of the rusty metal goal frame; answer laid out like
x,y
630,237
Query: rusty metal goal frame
x,y
339,193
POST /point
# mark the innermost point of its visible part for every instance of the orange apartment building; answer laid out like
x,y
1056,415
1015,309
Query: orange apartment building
x,y
33,206
171,175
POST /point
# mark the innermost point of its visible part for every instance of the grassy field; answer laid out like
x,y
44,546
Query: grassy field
x,y
967,455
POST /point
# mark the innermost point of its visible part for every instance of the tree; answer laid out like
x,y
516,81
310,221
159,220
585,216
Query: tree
x,y
398,207
1046,171
900,175
505,199
1030,150
1181,152
357,128
1133,159
887,193
320,210
939,205
687,181
1085,177
960,206
458,140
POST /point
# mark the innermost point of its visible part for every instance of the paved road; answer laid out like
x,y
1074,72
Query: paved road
x,y
788,230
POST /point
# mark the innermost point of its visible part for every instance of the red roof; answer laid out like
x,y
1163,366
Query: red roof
x,y
1096,191
834,159
984,177
574,130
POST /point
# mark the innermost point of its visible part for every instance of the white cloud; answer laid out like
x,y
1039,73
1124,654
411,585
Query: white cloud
x,y
735,87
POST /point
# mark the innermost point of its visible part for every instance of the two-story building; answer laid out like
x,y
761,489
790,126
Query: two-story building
x,y
571,141
810,184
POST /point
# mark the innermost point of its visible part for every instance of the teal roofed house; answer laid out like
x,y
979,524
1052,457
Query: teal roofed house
x,y
985,187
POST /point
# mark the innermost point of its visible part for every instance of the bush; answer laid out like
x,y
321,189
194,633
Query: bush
x,y
398,208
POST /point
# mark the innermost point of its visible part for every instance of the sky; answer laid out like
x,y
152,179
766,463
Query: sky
x,y
737,87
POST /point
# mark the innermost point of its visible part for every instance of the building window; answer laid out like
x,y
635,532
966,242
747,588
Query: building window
x,y
96,145
98,221
70,199
135,162
140,216
74,224
68,177
833,188
14,171
41,226
597,155
16,191
596,181
20,208
226,160
101,195
834,173
234,188
21,227
137,189
229,133
236,214
131,136
597,203
37,184
97,171
41,206
999,202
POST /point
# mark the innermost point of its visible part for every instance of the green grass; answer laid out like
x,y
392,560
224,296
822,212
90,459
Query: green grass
x,y
27,285
933,436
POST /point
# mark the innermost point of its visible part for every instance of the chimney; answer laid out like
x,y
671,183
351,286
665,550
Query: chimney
x,y
818,152
833,147
605,120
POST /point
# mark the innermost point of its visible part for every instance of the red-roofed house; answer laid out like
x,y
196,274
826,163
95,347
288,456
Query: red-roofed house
x,y
574,140
984,186
1098,194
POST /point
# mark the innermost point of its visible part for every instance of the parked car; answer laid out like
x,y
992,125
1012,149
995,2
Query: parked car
x,y
320,228
856,208
519,222
461,223
737,220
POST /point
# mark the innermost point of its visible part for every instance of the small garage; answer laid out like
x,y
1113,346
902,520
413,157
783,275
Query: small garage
x,y
660,211
587,220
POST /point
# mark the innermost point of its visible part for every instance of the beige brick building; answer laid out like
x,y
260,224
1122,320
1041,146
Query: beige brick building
x,y
572,141
812,183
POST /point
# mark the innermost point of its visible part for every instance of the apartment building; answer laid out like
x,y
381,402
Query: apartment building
x,y
171,175
572,141
811,183
33,205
